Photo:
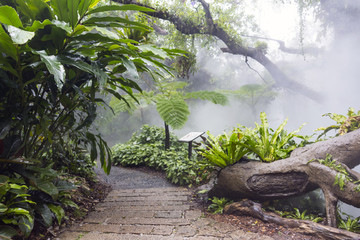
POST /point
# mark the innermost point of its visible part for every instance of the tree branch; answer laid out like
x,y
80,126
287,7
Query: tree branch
x,y
187,26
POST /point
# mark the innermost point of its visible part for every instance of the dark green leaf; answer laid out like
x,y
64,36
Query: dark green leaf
x,y
9,16
120,8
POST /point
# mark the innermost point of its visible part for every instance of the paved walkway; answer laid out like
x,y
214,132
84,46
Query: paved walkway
x,y
163,212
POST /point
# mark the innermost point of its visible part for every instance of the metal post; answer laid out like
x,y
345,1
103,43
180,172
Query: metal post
x,y
190,150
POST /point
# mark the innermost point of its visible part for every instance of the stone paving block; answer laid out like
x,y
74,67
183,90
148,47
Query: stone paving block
x,y
163,230
177,207
146,190
114,236
111,213
149,221
185,231
143,203
146,194
168,214
143,198
206,238
111,228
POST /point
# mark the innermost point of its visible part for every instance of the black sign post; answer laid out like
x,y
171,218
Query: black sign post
x,y
189,138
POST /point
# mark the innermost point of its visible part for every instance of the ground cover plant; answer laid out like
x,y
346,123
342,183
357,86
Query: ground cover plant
x,y
146,148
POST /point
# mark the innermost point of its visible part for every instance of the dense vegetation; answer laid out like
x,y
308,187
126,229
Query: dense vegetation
x,y
146,148
57,58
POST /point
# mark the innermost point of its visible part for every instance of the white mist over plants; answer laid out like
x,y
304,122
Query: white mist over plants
x,y
333,73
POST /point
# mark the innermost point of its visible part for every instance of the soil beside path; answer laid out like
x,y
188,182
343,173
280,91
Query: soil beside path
x,y
144,205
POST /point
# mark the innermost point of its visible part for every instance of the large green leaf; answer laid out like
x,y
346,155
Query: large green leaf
x,y
6,44
54,66
61,10
45,213
20,36
47,187
173,110
36,25
34,9
85,5
58,211
7,232
9,16
120,8
97,20
130,66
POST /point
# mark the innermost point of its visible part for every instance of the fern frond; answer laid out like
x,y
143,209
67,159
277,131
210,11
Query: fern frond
x,y
214,97
172,86
173,110
130,105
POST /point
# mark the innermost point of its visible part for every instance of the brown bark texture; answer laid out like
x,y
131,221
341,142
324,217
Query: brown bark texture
x,y
296,175
250,208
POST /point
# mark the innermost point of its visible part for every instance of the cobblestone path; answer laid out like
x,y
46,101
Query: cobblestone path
x,y
152,213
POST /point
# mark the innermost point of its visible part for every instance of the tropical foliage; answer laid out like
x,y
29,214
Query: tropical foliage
x,y
146,148
218,204
261,142
57,57
297,214
343,176
224,150
344,124
170,100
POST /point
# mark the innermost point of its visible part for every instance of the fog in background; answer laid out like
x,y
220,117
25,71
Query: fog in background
x,y
334,74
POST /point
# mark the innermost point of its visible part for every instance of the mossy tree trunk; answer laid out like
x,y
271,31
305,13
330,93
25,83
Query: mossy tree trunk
x,y
296,175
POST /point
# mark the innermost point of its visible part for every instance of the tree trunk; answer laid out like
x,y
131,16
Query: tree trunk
x,y
250,208
167,136
296,175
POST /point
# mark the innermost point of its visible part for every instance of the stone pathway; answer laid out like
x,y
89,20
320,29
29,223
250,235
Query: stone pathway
x,y
151,213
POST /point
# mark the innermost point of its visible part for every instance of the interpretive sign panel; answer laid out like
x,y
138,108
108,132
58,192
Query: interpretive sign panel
x,y
191,136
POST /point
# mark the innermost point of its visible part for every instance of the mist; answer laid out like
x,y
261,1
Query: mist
x,y
333,74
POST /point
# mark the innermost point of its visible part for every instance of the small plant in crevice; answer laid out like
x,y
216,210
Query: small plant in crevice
x,y
218,204
343,176
347,222
297,214
344,124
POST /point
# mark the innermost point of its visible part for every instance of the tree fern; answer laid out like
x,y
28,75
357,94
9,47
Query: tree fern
x,y
173,110
214,97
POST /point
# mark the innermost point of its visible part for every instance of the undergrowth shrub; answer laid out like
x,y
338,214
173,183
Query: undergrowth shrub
x,y
146,148
261,143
